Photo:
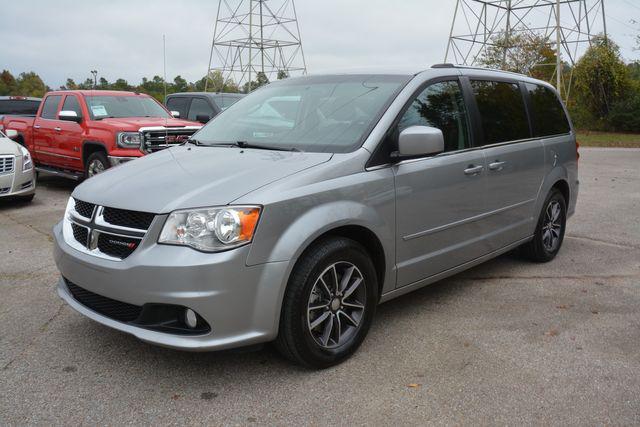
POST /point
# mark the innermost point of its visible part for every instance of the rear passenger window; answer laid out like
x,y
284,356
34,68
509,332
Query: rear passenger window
x,y
50,107
440,106
549,117
502,111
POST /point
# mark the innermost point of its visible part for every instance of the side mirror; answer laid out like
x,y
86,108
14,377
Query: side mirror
x,y
69,116
203,118
175,114
420,141
11,133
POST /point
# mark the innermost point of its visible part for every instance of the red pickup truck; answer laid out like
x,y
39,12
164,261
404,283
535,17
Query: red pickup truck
x,y
83,132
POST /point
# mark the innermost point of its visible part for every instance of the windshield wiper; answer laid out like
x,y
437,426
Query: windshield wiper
x,y
245,144
194,142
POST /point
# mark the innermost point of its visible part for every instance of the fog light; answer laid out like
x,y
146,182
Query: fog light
x,y
191,318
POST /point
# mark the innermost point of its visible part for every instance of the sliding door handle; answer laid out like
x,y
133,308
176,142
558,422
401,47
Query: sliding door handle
x,y
473,170
496,166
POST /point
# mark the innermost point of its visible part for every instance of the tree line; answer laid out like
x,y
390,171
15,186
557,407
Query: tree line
x,y
30,84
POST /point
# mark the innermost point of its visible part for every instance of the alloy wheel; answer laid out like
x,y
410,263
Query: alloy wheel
x,y
552,226
336,305
95,167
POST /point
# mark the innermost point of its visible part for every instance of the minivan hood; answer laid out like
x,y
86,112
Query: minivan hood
x,y
189,176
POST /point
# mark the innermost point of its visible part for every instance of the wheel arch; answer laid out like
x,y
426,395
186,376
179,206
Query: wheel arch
x,y
366,238
90,147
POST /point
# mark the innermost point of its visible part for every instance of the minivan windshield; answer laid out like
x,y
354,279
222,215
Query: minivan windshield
x,y
109,106
318,114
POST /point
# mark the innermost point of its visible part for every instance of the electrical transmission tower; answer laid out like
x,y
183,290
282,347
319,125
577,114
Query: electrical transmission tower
x,y
567,26
254,40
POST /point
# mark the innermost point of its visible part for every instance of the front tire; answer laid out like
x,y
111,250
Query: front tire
x,y
96,163
549,234
329,304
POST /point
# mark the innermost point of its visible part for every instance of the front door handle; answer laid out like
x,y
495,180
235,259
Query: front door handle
x,y
473,170
496,166
57,129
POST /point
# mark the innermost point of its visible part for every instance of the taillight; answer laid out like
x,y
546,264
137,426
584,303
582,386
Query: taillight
x,y
577,152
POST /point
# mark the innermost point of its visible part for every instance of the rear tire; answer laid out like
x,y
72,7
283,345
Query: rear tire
x,y
96,164
329,304
549,234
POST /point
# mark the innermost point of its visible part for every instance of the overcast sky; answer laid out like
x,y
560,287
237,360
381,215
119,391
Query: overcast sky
x,y
123,38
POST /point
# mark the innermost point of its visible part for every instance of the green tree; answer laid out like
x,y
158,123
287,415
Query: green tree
x,y
30,84
526,53
8,84
121,84
601,79
103,84
217,83
179,85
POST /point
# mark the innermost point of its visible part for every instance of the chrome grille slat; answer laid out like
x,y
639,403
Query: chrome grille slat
x,y
156,139
7,164
115,236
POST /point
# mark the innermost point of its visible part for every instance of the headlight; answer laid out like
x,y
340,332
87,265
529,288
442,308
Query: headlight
x,y
129,139
27,163
211,229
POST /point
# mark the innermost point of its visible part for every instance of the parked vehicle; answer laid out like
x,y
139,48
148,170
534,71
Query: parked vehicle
x,y
200,106
80,133
271,225
18,106
17,178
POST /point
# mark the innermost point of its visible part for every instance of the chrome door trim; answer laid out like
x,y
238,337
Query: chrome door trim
x,y
48,153
465,221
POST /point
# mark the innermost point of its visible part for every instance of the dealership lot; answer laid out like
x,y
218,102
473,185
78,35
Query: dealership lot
x,y
505,342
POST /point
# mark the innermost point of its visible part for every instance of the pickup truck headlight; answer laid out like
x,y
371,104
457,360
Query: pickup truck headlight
x,y
27,163
129,139
211,229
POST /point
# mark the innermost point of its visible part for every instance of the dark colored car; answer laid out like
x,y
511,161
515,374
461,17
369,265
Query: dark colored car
x,y
19,105
200,106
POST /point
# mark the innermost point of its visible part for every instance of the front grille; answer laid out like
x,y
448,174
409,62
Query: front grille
x,y
108,307
84,209
7,164
156,140
117,246
125,218
80,234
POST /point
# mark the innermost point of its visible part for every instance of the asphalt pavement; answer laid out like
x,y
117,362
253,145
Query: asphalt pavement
x,y
508,342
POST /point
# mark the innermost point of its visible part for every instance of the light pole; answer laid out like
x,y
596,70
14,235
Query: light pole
x,y
95,78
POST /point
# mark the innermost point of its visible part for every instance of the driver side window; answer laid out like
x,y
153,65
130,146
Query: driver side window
x,y
441,106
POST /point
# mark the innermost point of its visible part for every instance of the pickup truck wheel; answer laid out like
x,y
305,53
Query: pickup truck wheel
x,y
96,163
328,305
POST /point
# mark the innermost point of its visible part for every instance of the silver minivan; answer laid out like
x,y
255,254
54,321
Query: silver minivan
x,y
296,211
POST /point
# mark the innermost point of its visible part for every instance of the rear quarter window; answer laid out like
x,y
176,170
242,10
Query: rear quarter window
x,y
502,111
547,113
19,107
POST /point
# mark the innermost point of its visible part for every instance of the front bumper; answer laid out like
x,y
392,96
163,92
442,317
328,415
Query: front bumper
x,y
18,183
240,303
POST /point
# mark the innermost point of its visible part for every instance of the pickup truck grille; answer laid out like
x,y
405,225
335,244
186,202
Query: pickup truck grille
x,y
157,139
107,232
7,164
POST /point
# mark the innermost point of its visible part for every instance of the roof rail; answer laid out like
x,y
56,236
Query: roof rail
x,y
471,67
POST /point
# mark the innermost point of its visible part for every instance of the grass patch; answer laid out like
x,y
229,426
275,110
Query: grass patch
x,y
608,139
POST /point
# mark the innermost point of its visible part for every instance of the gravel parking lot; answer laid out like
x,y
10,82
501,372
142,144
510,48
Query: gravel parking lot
x,y
504,343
